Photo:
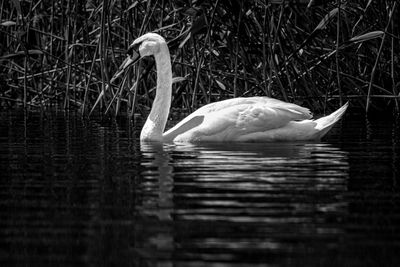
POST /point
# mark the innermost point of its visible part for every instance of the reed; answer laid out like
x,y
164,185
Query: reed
x,y
64,53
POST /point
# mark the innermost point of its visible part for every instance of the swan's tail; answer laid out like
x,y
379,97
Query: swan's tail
x,y
324,124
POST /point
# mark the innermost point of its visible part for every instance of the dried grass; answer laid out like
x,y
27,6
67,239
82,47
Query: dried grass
x,y
65,52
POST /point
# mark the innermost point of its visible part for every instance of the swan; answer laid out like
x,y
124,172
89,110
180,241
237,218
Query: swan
x,y
242,119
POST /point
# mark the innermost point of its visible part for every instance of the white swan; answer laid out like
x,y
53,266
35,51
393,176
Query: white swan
x,y
250,119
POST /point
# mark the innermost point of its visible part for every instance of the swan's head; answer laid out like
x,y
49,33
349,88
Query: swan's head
x,y
146,45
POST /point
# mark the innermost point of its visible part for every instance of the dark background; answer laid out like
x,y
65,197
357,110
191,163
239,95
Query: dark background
x,y
314,53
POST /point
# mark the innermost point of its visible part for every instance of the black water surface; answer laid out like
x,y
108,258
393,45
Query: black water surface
x,y
78,192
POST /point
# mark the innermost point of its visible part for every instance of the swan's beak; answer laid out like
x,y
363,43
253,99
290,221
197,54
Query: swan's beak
x,y
132,58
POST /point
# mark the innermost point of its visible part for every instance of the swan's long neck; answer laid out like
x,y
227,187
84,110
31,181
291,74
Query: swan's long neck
x,y
155,124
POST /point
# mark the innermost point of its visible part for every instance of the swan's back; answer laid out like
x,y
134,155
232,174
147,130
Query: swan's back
x,y
233,119
303,113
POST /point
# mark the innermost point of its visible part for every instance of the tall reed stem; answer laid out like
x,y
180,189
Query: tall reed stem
x,y
337,51
378,56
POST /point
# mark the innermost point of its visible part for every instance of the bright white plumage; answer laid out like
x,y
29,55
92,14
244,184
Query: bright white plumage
x,y
251,119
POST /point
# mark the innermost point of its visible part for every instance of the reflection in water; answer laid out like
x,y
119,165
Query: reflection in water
x,y
241,202
87,192
156,162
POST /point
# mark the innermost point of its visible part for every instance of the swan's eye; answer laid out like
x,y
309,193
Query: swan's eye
x,y
133,50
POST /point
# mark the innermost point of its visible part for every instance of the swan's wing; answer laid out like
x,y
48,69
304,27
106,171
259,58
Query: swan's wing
x,y
253,101
230,118
231,122
197,117
187,124
262,117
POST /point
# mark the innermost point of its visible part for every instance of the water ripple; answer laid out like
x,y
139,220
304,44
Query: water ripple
x,y
87,192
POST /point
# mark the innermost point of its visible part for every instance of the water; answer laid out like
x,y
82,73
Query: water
x,y
79,192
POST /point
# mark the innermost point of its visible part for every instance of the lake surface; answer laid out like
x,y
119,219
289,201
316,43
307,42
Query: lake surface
x,y
75,192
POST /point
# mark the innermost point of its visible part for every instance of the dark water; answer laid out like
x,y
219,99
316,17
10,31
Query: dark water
x,y
78,192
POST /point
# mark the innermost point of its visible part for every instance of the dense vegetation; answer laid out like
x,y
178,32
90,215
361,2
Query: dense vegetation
x,y
65,52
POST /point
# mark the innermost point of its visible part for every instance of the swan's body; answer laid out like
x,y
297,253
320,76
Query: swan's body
x,y
251,119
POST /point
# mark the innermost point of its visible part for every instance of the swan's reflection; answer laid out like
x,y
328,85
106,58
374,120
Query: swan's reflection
x,y
156,158
239,197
